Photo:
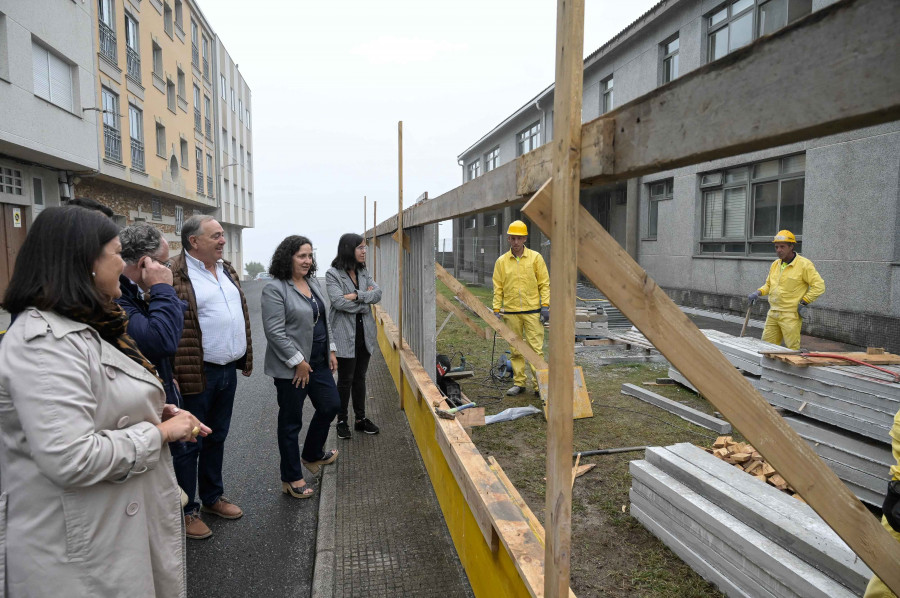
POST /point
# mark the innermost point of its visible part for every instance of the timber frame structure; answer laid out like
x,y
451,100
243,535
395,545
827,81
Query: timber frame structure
x,y
500,542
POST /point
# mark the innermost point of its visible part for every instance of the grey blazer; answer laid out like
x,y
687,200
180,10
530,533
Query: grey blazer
x,y
288,323
342,314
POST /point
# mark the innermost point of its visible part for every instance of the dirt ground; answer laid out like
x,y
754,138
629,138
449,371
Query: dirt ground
x,y
612,553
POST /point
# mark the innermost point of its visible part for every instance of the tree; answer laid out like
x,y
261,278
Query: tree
x,y
254,268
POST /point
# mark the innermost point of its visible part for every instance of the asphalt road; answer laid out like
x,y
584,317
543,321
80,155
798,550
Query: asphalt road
x,y
270,550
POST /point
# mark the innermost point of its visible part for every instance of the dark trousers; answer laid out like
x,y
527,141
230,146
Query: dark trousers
x,y
200,463
352,380
323,394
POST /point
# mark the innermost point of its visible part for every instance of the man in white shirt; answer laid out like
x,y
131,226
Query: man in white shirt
x,y
215,343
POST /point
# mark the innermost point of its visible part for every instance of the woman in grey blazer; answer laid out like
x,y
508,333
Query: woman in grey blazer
x,y
352,291
300,357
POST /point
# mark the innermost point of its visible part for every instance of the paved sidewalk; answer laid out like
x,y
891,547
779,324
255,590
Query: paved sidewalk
x,y
381,530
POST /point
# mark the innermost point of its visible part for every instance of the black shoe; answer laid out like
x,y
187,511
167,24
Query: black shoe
x,y
343,430
364,425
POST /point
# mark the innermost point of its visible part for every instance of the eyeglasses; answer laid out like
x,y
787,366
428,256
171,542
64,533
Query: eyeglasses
x,y
362,248
167,263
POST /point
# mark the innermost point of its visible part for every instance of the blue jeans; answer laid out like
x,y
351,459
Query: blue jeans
x,y
322,391
200,463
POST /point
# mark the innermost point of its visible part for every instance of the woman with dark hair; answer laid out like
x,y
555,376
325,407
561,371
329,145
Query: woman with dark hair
x,y
89,495
351,291
300,357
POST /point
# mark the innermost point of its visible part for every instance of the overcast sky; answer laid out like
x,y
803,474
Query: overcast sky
x,y
330,81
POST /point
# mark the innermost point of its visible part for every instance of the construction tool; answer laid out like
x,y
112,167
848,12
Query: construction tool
x,y
451,413
746,320
624,449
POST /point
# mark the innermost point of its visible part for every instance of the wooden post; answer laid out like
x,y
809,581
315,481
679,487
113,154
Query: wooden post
x,y
566,186
400,246
375,241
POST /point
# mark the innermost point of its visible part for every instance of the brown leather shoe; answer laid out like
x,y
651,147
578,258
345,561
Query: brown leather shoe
x,y
224,508
195,529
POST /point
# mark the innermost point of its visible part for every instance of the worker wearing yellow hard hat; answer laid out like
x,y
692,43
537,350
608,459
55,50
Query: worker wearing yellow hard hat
x,y
890,519
792,284
522,292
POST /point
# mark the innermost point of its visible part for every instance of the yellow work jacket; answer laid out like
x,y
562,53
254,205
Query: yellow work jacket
x,y
521,284
787,286
895,447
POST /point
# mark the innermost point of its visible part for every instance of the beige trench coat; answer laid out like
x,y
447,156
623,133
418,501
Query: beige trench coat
x,y
89,503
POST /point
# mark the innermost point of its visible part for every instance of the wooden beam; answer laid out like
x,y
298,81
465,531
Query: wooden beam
x,y
852,41
566,186
454,309
639,298
375,242
396,237
400,245
466,296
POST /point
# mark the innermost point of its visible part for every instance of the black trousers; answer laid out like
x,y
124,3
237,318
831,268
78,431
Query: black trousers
x,y
352,379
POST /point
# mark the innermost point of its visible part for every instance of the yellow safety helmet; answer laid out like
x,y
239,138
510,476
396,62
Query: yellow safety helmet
x,y
785,236
518,228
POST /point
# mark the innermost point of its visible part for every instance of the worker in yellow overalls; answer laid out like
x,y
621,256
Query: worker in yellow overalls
x,y
522,291
792,284
891,511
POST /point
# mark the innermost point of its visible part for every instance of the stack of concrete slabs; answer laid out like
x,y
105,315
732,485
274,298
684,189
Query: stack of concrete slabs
x,y
744,536
742,352
854,398
863,464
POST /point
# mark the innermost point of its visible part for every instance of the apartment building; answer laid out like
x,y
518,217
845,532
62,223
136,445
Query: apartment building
x,y
47,113
704,232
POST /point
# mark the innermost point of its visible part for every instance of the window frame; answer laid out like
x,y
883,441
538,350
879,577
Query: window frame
x,y
755,21
49,61
530,133
492,159
668,193
473,170
161,140
668,55
607,95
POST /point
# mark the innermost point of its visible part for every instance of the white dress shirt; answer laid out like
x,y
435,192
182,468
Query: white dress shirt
x,y
219,313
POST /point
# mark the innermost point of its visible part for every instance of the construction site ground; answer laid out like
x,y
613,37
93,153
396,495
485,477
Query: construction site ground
x,y
612,553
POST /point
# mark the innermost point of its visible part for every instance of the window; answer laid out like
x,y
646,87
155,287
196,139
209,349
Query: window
x,y
606,95
132,48
247,117
136,126
232,99
170,94
528,139
195,51
470,222
199,166
37,185
107,24
249,162
167,19
11,181
490,220
209,177
52,77
473,170
112,138
670,60
179,219
181,84
156,208
184,153
659,191
492,159
739,22
224,87
157,60
240,110
179,16
207,105
205,58
744,207
241,154
160,140
198,118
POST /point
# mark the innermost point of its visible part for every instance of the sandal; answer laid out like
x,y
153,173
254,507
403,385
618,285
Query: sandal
x,y
303,491
327,458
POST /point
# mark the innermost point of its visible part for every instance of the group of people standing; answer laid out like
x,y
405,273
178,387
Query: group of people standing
x,y
117,384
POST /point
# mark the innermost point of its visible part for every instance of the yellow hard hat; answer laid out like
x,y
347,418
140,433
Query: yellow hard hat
x,y
518,228
785,236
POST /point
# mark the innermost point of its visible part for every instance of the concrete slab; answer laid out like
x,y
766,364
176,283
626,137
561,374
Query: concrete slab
x,y
683,411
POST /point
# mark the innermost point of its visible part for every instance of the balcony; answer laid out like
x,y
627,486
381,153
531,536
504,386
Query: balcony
x,y
206,69
199,181
133,60
198,120
108,43
137,154
195,55
112,141
209,186
208,129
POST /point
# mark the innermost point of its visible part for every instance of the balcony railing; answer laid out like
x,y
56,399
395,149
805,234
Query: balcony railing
x,y
195,55
108,42
208,129
198,120
137,154
112,142
133,63
206,69
199,181
209,186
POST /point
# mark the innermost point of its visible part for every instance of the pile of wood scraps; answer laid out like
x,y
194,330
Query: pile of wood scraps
x,y
747,459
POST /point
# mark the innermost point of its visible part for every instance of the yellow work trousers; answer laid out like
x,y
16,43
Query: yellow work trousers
x,y
529,328
876,587
783,326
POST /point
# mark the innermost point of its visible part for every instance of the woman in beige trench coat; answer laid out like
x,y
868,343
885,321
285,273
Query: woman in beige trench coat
x,y
89,503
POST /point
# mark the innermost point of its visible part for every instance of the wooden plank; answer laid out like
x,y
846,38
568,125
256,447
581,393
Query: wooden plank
x,y
566,186
533,522
643,302
683,411
581,400
400,247
396,237
664,129
448,305
375,241
800,361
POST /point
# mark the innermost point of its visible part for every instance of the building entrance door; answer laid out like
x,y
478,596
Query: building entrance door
x,y
12,235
